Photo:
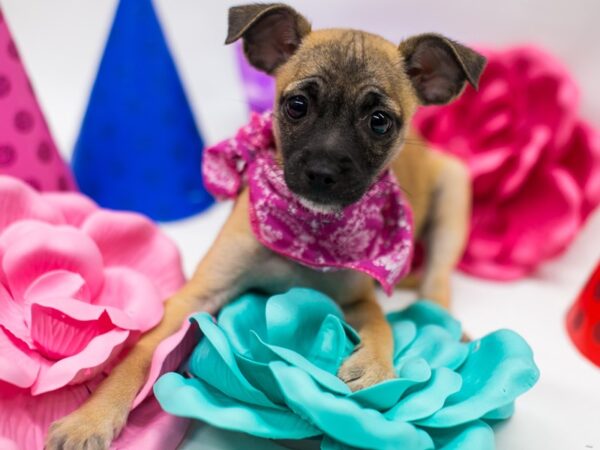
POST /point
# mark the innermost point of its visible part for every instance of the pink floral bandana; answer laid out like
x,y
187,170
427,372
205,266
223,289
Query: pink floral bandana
x,y
373,235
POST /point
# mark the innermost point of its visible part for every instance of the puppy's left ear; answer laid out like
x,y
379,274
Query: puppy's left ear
x,y
271,33
439,68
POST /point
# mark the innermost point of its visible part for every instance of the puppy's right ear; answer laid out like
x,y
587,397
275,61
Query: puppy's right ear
x,y
271,33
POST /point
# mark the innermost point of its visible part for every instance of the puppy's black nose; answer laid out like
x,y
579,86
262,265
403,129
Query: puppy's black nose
x,y
321,176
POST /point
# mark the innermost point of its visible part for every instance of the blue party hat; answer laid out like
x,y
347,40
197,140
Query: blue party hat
x,y
139,148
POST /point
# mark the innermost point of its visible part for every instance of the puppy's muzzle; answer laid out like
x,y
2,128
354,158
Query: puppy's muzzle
x,y
324,174
321,177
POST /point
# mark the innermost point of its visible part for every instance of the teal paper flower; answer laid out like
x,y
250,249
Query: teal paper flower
x,y
268,367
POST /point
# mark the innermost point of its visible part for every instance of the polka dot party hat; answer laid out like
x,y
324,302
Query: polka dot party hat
x,y
27,150
583,319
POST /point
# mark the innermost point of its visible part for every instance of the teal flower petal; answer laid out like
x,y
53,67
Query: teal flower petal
x,y
276,353
473,436
499,368
293,319
404,333
261,377
332,345
245,313
385,395
427,313
437,346
194,398
429,399
330,444
215,352
341,418
502,413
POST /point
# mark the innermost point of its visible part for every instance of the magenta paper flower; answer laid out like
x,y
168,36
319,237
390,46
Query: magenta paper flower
x,y
535,166
78,286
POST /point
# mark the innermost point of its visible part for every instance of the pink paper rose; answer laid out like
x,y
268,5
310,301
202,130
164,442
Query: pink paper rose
x,y
535,166
78,286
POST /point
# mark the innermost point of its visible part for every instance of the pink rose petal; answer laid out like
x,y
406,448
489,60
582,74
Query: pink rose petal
x,y
169,355
150,428
12,317
57,335
582,160
493,270
7,444
83,366
83,311
74,207
525,162
18,201
542,231
57,284
133,293
49,248
25,419
128,297
489,162
545,227
484,247
11,234
495,90
131,240
19,366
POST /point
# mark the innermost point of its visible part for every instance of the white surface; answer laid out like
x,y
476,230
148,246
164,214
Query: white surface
x,y
61,42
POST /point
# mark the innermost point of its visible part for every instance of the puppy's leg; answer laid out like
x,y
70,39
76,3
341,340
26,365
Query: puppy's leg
x,y
371,362
219,277
448,225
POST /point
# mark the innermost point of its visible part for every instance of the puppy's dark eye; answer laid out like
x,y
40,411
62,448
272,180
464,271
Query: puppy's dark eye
x,y
380,123
296,107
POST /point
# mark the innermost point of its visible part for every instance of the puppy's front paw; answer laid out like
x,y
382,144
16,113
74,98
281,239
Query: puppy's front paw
x,y
82,430
364,368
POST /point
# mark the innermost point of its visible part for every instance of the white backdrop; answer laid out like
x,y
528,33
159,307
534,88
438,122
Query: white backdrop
x,y
61,42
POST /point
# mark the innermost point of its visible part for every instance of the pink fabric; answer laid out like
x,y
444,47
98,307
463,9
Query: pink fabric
x,y
535,165
373,235
78,286
27,150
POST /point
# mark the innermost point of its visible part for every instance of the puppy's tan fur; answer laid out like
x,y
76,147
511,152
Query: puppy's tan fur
x,y
437,187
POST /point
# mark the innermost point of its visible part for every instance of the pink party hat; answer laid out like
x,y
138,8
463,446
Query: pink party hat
x,y
27,150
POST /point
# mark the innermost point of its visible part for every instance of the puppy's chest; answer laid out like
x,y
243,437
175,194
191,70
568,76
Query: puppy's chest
x,y
276,274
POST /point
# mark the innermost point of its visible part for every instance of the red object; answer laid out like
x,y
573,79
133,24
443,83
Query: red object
x,y
583,319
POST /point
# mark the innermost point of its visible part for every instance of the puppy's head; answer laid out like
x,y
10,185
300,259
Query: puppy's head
x,y
345,98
